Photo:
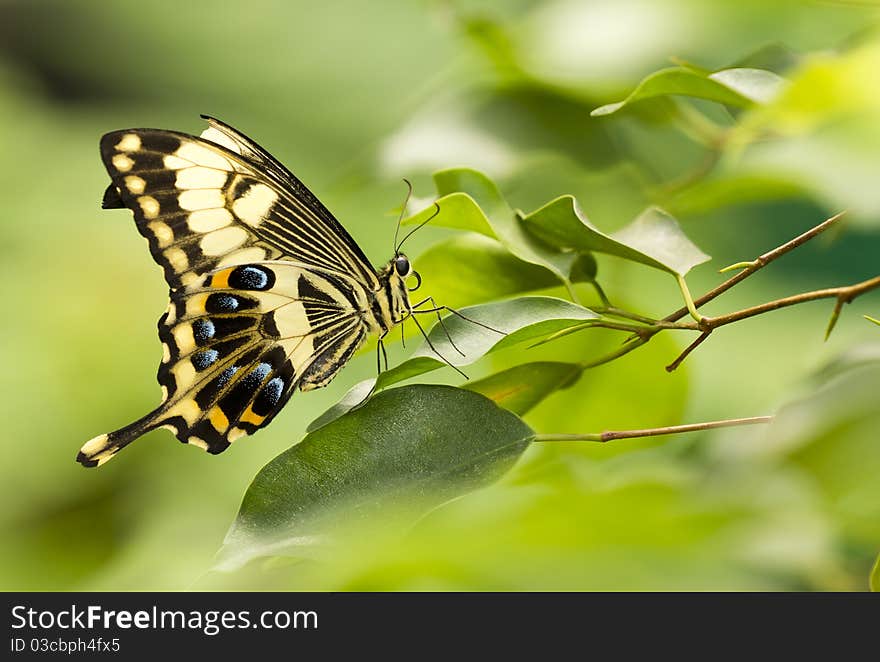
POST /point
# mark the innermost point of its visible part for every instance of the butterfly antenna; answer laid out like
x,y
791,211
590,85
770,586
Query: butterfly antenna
x,y
409,190
419,226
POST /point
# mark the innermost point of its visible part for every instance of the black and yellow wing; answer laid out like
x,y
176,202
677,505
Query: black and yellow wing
x,y
235,346
221,199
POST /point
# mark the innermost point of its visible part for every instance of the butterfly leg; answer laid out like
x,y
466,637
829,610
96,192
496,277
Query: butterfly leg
x,y
434,349
381,354
437,310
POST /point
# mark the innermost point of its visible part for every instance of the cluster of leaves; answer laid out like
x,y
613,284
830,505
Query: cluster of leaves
x,y
408,432
407,450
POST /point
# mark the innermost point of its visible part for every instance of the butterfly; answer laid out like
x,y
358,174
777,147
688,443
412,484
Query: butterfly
x,y
268,292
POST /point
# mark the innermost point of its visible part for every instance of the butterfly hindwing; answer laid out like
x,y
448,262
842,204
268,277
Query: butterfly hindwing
x,y
237,343
240,341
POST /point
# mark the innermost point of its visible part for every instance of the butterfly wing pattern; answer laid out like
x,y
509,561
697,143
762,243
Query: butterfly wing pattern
x,y
268,291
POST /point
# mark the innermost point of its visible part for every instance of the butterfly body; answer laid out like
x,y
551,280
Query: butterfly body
x,y
268,292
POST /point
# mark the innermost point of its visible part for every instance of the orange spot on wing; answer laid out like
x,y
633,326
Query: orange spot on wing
x,y
218,419
220,280
250,417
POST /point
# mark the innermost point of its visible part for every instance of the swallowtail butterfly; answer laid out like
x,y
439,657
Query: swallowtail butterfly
x,y
268,291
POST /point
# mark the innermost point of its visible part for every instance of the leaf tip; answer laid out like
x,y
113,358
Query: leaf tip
x,y
607,109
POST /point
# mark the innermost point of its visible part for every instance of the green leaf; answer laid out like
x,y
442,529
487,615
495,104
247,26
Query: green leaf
x,y
521,319
469,200
875,576
467,269
654,238
400,453
525,318
522,387
740,87
658,236
458,211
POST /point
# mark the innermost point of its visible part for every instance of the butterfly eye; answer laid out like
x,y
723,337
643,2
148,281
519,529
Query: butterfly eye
x,y
402,265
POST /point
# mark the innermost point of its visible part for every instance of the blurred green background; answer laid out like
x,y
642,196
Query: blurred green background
x,y
353,96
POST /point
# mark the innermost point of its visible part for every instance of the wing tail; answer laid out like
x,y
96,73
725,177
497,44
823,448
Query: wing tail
x,y
100,449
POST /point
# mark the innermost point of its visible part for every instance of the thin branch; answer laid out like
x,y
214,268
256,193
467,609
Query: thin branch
x,y
611,435
687,350
756,265
843,295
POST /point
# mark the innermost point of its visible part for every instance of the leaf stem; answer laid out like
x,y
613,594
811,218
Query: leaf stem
x,y
611,435
601,294
626,348
688,299
625,314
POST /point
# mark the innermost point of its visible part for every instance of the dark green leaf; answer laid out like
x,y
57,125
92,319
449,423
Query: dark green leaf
x,y
402,452
654,238
584,269
740,88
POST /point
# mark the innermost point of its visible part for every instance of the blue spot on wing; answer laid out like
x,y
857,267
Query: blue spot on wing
x,y
249,277
205,358
226,375
203,330
269,396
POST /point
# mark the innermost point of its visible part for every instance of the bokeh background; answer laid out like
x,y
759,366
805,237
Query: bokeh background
x,y
353,96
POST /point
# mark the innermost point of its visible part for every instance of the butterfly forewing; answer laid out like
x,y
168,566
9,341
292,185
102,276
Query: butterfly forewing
x,y
202,205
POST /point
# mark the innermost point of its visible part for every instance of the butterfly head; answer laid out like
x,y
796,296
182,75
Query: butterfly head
x,y
394,294
403,268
